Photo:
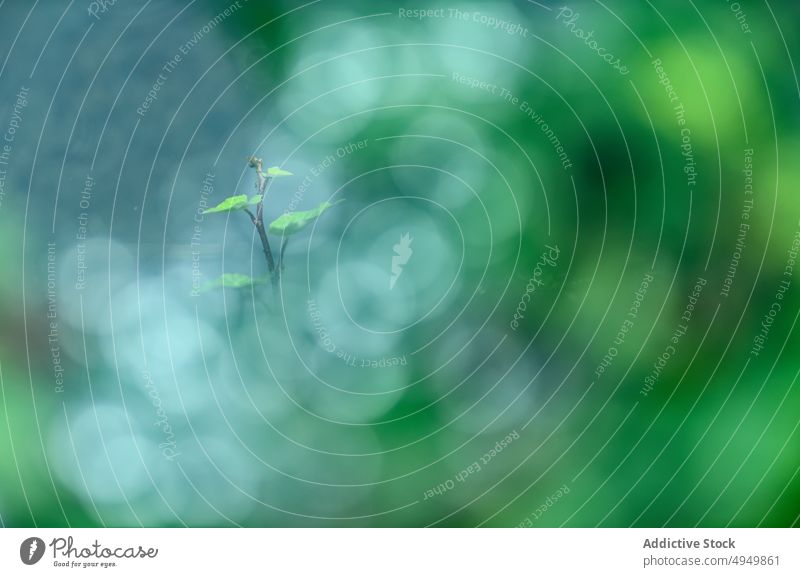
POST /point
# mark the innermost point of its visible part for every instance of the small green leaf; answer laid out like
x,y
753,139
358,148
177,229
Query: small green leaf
x,y
274,171
254,200
229,204
293,222
231,281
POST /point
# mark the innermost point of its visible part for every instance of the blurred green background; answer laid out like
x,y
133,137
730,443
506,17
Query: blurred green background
x,y
491,133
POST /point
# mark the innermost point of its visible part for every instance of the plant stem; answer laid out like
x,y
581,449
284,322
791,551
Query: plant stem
x,y
274,273
284,242
258,221
262,234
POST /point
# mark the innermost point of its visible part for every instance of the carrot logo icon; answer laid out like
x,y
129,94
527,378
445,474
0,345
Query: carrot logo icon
x,y
31,551
402,253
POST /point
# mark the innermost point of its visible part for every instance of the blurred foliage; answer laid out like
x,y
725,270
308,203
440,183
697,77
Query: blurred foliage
x,y
350,401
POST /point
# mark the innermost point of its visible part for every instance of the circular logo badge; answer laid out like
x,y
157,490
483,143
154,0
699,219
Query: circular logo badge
x,y
31,551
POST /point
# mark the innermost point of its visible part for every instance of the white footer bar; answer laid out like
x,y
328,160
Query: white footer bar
x,y
401,552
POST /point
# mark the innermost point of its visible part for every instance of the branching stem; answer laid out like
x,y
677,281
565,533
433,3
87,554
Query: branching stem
x,y
258,221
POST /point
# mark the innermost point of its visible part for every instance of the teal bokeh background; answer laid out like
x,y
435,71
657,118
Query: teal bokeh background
x,y
491,134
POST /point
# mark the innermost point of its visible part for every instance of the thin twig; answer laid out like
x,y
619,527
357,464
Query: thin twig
x,y
258,222
284,242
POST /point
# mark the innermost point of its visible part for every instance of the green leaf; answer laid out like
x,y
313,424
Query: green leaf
x,y
254,200
231,281
229,204
274,171
293,222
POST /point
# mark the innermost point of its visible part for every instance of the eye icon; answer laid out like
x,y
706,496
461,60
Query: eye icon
x,y
31,551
